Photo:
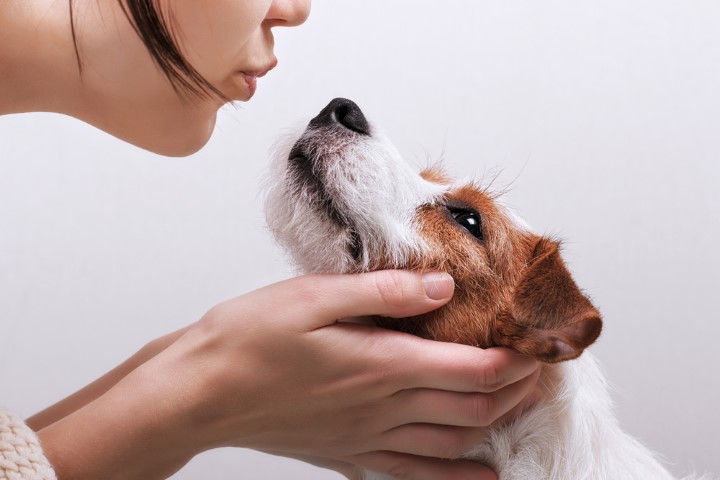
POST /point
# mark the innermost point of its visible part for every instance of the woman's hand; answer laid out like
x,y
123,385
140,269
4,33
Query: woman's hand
x,y
274,370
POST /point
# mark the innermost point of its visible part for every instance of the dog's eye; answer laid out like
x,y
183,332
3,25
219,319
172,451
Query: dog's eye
x,y
468,219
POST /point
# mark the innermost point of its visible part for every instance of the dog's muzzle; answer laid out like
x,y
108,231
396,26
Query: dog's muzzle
x,y
340,119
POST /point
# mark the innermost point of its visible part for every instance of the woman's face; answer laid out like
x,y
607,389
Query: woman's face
x,y
238,46
229,42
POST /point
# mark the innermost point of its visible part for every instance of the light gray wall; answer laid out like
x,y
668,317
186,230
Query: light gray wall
x,y
603,116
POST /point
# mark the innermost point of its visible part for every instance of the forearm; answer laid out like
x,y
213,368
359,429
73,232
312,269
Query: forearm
x,y
131,431
97,388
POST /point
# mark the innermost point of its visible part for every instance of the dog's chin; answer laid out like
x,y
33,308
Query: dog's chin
x,y
297,152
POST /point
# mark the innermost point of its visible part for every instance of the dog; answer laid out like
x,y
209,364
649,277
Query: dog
x,y
342,200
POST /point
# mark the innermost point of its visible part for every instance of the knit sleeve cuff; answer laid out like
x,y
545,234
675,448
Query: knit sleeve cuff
x,y
21,456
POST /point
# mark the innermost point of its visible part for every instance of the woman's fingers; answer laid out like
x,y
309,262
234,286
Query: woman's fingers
x,y
462,368
312,302
436,435
469,409
410,467
437,441
396,293
324,299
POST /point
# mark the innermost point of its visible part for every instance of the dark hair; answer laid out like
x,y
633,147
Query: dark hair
x,y
153,30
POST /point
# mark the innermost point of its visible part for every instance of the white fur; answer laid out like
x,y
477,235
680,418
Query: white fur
x,y
369,182
572,434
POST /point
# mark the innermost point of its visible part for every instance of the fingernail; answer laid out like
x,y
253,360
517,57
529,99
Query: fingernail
x,y
438,285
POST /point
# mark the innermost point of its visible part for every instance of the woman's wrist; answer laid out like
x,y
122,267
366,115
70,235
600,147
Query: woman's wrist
x,y
134,430
95,389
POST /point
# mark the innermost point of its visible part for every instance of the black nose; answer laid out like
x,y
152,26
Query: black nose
x,y
342,111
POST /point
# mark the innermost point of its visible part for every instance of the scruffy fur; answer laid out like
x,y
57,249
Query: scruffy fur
x,y
342,199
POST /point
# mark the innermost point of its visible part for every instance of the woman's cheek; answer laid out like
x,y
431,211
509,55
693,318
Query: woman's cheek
x,y
213,35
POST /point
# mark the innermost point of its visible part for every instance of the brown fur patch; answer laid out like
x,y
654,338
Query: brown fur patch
x,y
512,287
436,175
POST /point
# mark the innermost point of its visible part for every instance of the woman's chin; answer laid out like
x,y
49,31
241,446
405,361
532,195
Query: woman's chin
x,y
181,147
172,129
180,140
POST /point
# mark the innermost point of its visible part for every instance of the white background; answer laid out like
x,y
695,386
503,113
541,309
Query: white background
x,y
602,116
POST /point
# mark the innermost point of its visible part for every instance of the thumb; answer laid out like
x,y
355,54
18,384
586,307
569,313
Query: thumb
x,y
388,293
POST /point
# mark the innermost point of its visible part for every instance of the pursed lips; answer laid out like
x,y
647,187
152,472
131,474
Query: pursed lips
x,y
251,75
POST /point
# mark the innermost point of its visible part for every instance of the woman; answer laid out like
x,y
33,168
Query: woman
x,y
154,74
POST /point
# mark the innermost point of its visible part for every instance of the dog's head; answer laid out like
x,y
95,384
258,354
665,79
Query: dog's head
x,y
343,200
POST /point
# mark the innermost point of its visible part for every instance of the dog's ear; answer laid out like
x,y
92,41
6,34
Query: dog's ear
x,y
549,318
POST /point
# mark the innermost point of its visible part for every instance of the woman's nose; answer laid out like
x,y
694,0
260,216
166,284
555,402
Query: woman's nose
x,y
288,13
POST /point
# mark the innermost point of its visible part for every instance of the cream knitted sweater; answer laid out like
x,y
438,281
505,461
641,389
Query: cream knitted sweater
x,y
21,457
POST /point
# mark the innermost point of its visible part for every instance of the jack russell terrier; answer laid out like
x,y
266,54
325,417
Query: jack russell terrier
x,y
343,200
